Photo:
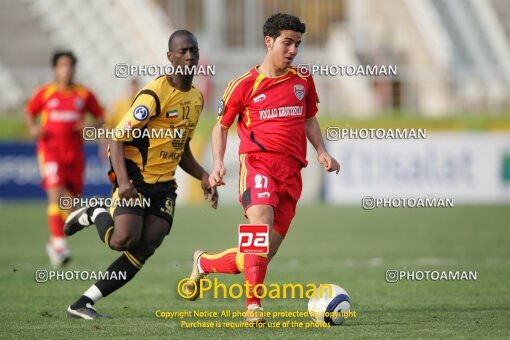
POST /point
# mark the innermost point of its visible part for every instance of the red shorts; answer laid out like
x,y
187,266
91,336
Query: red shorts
x,y
62,168
273,180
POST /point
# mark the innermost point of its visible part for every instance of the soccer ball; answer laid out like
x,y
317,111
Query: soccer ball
x,y
330,304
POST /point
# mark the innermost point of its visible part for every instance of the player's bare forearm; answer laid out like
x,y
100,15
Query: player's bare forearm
x,y
314,135
98,122
126,188
190,165
32,127
219,145
29,120
118,161
103,150
103,143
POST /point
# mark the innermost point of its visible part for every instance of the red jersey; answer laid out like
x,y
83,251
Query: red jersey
x,y
272,112
61,112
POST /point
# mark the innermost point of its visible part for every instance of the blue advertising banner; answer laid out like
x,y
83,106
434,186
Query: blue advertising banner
x,y
19,172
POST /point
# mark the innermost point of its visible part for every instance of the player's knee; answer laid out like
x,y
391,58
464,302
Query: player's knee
x,y
124,242
262,214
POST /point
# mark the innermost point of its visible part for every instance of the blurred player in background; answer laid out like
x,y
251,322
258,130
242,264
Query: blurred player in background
x,y
145,167
117,111
122,104
275,107
62,105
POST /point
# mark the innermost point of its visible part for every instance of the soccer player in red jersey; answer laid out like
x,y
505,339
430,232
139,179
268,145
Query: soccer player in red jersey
x,y
62,105
275,106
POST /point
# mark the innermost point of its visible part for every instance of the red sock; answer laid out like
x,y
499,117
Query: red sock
x,y
225,262
255,267
55,220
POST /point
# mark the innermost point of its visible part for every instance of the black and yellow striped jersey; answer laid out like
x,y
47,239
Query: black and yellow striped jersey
x,y
155,130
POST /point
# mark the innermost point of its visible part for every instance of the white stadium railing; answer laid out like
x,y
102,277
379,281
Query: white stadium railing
x,y
11,93
105,33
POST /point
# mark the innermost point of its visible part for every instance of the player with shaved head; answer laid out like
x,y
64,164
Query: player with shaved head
x,y
144,168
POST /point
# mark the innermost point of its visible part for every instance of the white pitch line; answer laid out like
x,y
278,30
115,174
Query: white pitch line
x,y
400,262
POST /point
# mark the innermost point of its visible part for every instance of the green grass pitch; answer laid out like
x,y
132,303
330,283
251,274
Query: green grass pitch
x,y
346,246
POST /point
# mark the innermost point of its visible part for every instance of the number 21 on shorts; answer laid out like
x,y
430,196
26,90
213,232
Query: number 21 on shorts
x,y
260,181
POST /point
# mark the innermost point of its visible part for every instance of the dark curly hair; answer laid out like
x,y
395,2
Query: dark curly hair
x,y
279,22
63,53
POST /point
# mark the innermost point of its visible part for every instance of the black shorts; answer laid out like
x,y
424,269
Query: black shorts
x,y
160,199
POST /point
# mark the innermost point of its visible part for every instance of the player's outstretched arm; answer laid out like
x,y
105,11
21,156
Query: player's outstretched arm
x,y
189,164
314,135
126,188
97,122
219,145
33,129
